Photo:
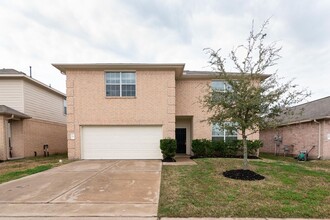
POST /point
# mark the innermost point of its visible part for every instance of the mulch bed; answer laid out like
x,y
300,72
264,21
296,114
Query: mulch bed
x,y
228,156
169,160
241,174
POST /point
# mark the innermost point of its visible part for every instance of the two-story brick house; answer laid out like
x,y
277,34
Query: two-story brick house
x,y
121,111
32,115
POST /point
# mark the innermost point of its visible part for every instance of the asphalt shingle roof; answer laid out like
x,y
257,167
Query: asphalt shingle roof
x,y
10,71
314,110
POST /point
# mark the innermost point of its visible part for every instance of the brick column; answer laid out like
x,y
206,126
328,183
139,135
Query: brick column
x,y
3,135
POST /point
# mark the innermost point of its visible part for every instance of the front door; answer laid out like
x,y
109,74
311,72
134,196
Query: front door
x,y
180,136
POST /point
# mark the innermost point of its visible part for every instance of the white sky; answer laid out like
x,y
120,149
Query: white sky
x,y
38,33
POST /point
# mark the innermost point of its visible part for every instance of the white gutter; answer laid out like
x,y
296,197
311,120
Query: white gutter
x,y
319,148
11,117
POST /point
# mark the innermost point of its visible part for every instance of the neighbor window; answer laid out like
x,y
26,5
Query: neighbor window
x,y
220,134
64,106
120,84
220,86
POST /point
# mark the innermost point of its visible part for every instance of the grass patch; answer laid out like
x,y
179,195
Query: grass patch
x,y
10,170
18,174
291,189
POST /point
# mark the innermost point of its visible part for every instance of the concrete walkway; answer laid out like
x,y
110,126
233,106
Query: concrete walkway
x,y
89,188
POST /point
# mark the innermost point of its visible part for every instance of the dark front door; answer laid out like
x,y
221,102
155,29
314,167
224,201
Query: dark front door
x,y
180,136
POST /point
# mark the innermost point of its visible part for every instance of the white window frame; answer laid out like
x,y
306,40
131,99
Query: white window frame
x,y
226,86
120,83
225,131
65,107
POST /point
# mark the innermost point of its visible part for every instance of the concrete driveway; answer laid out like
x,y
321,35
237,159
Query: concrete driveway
x,y
98,188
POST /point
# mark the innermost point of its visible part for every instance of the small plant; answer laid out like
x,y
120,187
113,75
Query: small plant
x,y
168,148
198,148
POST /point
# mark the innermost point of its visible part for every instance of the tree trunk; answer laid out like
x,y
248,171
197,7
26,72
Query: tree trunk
x,y
245,152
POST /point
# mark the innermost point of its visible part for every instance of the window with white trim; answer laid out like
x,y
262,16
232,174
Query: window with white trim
x,y
221,134
64,107
121,84
220,86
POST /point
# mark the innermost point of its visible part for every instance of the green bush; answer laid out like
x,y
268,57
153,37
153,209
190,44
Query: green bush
x,y
207,148
253,146
233,147
168,148
198,148
220,148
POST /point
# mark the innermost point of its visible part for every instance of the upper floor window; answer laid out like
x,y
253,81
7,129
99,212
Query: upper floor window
x,y
220,134
220,86
120,84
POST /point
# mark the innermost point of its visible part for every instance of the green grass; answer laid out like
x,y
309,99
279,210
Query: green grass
x,y
291,189
11,170
18,174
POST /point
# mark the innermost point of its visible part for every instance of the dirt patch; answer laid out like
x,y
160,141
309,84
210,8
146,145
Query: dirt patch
x,y
241,174
31,162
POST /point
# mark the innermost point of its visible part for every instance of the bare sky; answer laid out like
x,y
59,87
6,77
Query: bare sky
x,y
40,32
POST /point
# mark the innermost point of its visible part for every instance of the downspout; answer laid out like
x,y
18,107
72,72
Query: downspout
x,y
319,148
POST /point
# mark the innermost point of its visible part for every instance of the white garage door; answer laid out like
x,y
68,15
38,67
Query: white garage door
x,y
121,142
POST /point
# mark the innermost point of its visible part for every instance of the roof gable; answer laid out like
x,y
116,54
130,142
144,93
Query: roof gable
x,y
12,74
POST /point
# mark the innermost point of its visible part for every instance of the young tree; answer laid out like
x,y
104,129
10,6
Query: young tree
x,y
252,100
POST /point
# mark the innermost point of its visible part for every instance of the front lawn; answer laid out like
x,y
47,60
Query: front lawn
x,y
14,169
291,189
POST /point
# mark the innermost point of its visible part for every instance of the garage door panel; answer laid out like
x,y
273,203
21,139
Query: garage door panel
x,y
121,142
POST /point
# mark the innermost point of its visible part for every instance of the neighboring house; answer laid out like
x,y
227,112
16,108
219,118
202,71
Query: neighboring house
x,y
121,111
32,115
308,127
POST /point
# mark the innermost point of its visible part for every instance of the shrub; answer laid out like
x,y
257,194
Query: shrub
x,y
233,147
198,148
253,146
168,148
220,148
207,148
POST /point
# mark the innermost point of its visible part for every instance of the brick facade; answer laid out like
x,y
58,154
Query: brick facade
x,y
302,136
87,104
162,96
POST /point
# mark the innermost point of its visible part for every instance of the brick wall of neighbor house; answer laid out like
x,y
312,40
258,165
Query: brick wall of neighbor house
x,y
88,104
39,132
325,152
17,138
302,136
3,152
